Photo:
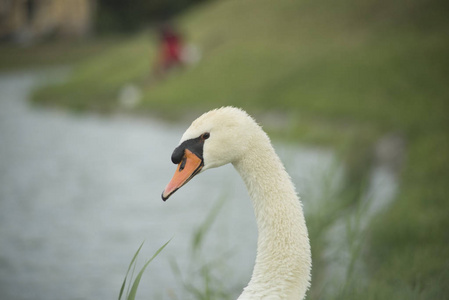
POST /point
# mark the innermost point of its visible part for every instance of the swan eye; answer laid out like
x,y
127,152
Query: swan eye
x,y
205,136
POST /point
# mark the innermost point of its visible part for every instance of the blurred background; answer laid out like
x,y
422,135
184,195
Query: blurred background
x,y
95,95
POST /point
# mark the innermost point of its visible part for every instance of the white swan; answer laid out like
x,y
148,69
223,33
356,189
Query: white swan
x,y
230,135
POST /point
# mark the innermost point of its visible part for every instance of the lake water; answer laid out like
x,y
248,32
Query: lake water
x,y
79,194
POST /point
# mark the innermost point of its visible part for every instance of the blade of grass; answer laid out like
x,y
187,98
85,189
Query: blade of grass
x,y
131,278
176,271
133,292
129,268
201,231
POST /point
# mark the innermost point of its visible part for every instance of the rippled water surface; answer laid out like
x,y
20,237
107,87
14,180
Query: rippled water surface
x,y
79,193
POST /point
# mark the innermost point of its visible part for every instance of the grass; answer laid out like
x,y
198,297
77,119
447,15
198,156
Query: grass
x,y
335,73
412,240
52,53
132,289
89,88
201,280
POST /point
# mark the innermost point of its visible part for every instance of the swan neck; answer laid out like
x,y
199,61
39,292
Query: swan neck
x,y
283,260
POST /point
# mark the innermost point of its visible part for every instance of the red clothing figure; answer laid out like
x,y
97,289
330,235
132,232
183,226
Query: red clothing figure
x,y
171,48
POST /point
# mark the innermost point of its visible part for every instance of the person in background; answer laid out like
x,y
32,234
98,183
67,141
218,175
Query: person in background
x,y
170,53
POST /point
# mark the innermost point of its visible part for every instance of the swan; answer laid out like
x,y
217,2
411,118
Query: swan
x,y
229,135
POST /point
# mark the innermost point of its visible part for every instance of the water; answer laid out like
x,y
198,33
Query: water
x,y
79,193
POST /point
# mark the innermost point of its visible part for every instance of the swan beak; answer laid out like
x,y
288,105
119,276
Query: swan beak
x,y
189,166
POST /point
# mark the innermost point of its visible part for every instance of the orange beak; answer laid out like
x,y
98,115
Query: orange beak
x,y
189,166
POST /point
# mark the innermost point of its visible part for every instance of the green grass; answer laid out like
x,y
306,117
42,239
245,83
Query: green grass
x,y
132,289
410,241
52,53
95,83
203,280
335,73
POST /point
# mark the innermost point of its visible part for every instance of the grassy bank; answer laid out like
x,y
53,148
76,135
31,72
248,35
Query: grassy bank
x,y
51,53
340,74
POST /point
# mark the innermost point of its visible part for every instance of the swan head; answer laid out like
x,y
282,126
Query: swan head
x,y
216,138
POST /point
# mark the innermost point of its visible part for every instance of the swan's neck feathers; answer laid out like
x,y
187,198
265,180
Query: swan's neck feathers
x,y
283,262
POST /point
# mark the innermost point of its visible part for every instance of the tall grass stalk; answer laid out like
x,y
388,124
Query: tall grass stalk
x,y
201,280
132,289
